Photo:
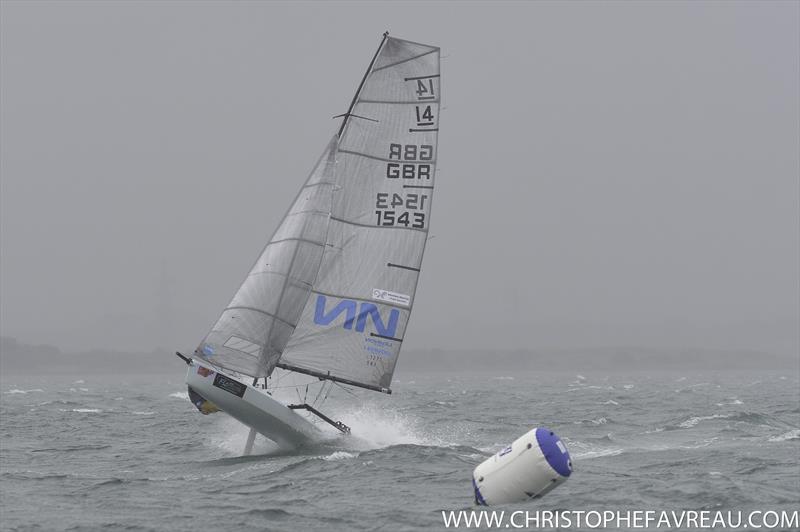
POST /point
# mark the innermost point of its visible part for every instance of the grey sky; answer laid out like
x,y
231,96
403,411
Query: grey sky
x,y
609,174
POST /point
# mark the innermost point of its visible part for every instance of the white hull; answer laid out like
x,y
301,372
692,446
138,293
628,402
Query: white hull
x,y
252,406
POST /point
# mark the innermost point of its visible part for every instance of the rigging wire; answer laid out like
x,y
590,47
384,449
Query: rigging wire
x,y
327,393
318,394
345,389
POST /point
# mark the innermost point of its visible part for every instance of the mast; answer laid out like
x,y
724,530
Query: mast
x,y
361,85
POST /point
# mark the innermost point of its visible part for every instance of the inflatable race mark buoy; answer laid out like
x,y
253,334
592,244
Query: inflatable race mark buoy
x,y
527,469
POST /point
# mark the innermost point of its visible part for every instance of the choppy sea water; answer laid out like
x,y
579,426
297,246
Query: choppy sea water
x,y
131,453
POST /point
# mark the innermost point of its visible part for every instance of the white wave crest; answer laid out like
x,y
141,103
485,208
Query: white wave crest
x,y
17,390
733,401
599,421
586,455
339,455
180,395
692,421
374,428
786,436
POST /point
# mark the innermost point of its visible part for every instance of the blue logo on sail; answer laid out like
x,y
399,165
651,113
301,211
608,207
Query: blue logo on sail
x,y
355,317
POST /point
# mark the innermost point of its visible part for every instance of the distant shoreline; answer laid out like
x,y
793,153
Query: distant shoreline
x,y
19,358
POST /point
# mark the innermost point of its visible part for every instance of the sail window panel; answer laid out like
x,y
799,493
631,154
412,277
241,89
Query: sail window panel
x,y
361,265
241,344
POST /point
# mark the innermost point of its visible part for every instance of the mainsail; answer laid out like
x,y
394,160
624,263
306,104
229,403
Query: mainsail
x,y
332,293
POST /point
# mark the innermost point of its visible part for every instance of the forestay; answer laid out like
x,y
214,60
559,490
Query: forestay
x,y
354,321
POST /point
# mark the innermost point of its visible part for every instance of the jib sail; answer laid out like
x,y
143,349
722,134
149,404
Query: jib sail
x,y
254,328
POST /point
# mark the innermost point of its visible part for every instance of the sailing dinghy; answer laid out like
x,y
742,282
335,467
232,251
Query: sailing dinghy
x,y
331,294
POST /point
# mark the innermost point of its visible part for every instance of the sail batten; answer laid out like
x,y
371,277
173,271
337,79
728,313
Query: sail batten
x,y
383,159
389,102
406,60
297,239
351,222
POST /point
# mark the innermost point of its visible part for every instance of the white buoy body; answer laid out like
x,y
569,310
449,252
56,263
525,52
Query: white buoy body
x,y
530,467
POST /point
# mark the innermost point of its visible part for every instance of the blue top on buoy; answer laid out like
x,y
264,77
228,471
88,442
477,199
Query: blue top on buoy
x,y
554,451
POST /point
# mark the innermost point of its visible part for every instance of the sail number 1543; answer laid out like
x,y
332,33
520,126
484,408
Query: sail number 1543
x,y
393,209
